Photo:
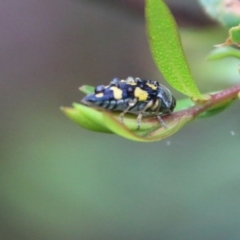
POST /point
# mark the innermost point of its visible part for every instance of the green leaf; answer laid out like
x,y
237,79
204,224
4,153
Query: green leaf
x,y
234,34
150,129
86,117
109,122
223,52
233,37
173,122
226,12
216,109
87,89
183,104
167,49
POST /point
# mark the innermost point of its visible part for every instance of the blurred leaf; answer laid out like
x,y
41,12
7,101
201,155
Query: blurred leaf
x,y
216,109
233,37
227,13
87,89
234,34
167,49
223,52
183,104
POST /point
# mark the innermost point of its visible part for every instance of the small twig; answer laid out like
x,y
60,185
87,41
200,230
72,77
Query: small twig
x,y
216,99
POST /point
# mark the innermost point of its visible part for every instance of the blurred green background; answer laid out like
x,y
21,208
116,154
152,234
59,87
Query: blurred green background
x,y
58,181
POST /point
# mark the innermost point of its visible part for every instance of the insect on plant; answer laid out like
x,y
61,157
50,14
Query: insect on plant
x,y
133,95
148,97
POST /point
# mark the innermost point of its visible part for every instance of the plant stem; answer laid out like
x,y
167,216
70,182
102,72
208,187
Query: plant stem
x,y
216,99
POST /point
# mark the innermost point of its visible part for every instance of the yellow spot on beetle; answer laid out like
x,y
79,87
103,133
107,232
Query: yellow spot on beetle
x,y
130,81
153,87
117,93
140,94
99,95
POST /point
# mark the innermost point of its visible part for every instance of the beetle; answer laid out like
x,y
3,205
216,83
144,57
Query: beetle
x,y
133,95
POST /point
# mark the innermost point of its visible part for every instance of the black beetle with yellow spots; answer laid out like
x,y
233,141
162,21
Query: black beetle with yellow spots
x,y
134,96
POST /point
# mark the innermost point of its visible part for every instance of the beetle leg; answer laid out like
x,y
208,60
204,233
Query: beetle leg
x,y
159,117
161,121
139,118
131,103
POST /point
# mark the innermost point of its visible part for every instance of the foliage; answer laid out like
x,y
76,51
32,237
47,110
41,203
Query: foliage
x,y
225,12
166,48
